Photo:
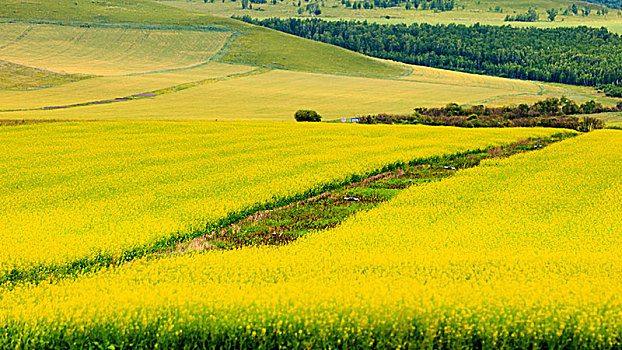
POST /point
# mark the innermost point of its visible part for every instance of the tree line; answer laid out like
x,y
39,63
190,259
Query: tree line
x,y
439,5
578,55
552,113
614,4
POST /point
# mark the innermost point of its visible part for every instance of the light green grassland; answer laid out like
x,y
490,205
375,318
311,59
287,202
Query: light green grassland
x,y
252,45
101,88
19,77
277,94
109,51
611,119
305,74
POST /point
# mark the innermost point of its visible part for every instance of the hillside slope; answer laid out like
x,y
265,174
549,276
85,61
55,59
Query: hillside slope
x,y
211,64
19,77
251,45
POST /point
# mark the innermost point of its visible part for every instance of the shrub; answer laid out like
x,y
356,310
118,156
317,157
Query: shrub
x,y
588,124
304,115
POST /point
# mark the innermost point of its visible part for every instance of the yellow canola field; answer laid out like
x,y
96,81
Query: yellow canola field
x,y
107,51
77,190
520,252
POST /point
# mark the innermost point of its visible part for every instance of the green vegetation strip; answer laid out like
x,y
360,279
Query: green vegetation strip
x,y
327,210
284,219
551,113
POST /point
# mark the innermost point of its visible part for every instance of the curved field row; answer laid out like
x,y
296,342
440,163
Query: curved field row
x,y
109,51
102,88
519,253
18,77
276,95
80,190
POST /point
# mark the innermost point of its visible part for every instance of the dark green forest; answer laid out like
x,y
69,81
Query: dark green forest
x,y
614,4
578,56
439,5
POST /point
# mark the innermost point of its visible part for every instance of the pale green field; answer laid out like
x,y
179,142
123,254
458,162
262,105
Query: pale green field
x,y
277,94
101,88
109,51
305,74
19,77
254,46
611,119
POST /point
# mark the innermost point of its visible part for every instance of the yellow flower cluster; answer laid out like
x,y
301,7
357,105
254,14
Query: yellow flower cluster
x,y
520,252
70,191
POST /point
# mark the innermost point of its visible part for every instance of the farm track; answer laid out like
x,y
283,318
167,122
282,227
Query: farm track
x,y
287,219
148,94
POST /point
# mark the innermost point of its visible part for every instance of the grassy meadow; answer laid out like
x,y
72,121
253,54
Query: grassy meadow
x,y
275,94
517,253
109,51
19,77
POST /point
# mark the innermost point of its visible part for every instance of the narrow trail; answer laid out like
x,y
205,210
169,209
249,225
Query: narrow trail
x,y
287,219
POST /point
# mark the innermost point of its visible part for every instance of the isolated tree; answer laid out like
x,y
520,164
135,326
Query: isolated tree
x,y
314,9
304,115
552,14
574,9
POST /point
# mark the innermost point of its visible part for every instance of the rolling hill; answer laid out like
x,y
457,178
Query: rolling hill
x,y
198,66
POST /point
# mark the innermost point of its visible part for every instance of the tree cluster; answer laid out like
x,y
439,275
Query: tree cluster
x,y
552,112
579,55
438,5
304,115
530,16
611,90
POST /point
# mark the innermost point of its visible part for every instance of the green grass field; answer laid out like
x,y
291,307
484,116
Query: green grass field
x,y
277,94
19,77
109,51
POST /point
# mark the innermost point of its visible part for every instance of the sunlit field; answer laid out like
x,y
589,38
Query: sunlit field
x,y
520,252
80,190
